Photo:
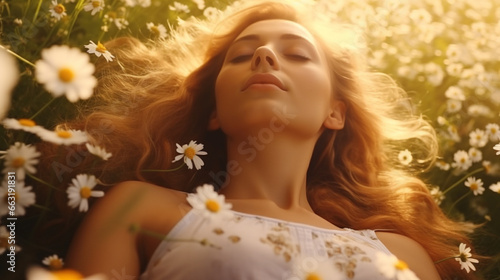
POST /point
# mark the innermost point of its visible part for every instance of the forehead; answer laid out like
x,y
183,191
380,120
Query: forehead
x,y
276,27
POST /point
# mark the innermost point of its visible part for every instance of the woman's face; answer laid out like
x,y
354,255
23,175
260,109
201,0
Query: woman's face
x,y
274,75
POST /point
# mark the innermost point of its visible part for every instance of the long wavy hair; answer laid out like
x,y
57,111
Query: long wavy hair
x,y
162,93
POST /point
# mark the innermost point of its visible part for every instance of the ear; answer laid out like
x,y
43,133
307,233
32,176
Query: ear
x,y
335,120
213,123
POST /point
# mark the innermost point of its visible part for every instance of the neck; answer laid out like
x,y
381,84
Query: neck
x,y
271,169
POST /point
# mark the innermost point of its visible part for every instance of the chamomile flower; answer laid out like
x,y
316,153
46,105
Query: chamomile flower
x,y
200,4
178,7
437,195
475,185
405,157
9,75
54,262
211,203
94,6
455,93
443,165
462,160
210,12
23,198
158,31
21,158
495,187
99,50
497,148
38,273
312,269
57,11
65,70
63,137
98,151
453,105
464,258
393,268
478,138
80,190
475,154
190,153
493,130
21,124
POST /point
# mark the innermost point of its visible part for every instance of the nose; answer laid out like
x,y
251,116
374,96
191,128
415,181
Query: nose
x,y
264,57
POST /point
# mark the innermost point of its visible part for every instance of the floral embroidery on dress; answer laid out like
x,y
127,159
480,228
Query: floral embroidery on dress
x,y
346,253
281,242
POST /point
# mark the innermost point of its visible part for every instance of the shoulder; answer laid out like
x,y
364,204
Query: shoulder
x,y
106,228
411,252
136,192
141,202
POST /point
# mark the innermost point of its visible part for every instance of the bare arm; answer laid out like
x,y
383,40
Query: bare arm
x,y
411,252
105,242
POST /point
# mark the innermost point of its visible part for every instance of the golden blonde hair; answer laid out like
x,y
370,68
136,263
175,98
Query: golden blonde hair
x,y
155,96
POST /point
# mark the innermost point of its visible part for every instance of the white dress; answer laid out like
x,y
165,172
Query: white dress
x,y
251,247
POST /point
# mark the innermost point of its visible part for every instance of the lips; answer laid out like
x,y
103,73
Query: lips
x,y
263,79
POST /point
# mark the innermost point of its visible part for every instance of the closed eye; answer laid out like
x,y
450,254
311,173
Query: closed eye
x,y
298,57
241,58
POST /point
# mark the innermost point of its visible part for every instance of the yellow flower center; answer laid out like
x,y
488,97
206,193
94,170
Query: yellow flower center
x,y
313,276
56,263
401,265
190,152
18,162
96,4
474,186
155,30
26,122
100,48
59,8
66,75
85,192
112,15
212,205
463,257
64,134
67,274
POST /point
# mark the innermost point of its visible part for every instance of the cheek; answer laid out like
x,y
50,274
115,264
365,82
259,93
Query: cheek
x,y
226,83
316,84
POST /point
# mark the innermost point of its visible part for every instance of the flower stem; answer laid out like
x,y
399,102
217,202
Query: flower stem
x,y
18,56
457,201
44,208
37,10
43,108
463,179
42,181
74,16
135,228
445,259
163,170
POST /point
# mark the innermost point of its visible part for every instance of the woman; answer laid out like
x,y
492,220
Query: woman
x,y
301,140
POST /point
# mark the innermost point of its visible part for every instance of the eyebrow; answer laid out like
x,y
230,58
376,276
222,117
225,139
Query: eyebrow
x,y
286,36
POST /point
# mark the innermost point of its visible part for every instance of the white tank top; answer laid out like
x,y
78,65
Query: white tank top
x,y
251,247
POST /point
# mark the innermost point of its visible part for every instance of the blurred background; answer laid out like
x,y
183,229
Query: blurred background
x,y
444,53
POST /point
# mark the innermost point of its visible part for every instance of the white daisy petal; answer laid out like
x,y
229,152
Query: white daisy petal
x,y
210,203
65,70
80,191
190,153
